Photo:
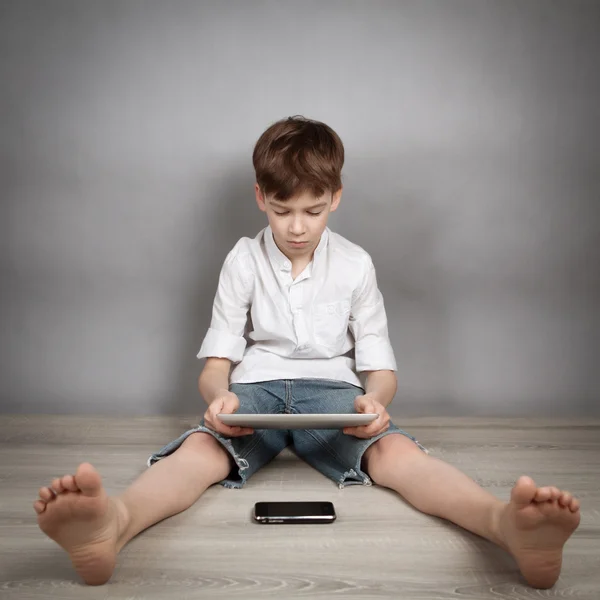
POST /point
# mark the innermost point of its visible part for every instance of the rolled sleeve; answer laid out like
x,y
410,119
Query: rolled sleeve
x,y
378,356
222,344
368,323
225,336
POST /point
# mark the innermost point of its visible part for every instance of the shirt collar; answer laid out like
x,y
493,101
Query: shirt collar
x,y
279,259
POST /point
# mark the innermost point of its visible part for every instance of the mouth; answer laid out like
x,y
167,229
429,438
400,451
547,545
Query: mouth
x,y
298,244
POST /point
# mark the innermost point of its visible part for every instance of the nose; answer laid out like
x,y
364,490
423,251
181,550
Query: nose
x,y
296,226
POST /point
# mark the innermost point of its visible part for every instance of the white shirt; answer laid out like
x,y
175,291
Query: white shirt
x,y
328,323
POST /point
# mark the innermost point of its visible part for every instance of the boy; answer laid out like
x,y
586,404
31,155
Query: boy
x,y
318,321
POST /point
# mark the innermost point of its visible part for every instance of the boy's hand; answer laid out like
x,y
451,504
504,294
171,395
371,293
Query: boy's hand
x,y
369,404
225,403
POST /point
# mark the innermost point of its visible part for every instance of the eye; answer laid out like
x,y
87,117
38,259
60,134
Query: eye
x,y
281,214
315,214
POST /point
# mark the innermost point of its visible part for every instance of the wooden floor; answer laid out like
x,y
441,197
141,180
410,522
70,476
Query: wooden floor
x,y
379,548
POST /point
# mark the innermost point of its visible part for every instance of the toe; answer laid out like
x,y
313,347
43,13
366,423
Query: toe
x,y
46,494
39,506
575,505
524,491
88,480
543,494
555,493
57,486
565,499
550,508
68,483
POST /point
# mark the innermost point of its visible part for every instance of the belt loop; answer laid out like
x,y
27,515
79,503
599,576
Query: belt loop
x,y
288,396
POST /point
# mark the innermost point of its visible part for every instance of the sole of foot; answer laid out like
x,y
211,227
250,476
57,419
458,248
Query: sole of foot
x,y
536,524
78,515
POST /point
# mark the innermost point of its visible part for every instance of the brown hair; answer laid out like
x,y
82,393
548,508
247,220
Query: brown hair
x,y
298,155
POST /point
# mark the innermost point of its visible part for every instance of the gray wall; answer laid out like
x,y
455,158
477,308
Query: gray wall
x,y
472,132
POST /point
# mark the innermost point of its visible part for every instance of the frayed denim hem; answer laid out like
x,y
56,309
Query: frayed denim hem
x,y
241,463
357,476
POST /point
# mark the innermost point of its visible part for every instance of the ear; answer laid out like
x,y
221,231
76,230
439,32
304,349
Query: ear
x,y
335,199
260,199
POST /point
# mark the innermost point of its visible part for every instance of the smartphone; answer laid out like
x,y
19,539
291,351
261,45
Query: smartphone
x,y
294,512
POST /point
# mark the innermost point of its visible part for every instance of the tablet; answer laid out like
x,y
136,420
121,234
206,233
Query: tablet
x,y
295,421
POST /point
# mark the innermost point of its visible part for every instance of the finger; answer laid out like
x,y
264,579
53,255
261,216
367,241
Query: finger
x,y
233,431
355,431
373,429
240,431
371,409
368,431
229,430
209,420
230,405
216,406
359,403
215,424
381,423
381,430
217,409
221,428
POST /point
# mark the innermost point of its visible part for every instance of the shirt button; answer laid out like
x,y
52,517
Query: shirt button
x,y
287,265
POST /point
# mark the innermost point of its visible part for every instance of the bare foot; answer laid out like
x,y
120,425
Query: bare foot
x,y
535,525
79,516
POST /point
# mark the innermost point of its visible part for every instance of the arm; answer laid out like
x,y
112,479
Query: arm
x,y
214,379
213,384
224,344
374,356
379,393
382,385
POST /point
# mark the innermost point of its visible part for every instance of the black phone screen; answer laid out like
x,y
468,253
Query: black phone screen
x,y
293,509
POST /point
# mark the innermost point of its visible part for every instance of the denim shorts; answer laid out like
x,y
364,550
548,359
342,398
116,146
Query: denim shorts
x,y
332,452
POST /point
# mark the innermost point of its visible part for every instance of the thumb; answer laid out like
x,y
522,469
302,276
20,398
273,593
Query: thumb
x,y
361,403
230,405
216,406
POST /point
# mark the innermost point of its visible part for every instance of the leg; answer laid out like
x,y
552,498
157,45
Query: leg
x,y
77,513
533,526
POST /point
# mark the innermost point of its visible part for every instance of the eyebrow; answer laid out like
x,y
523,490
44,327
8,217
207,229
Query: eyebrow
x,y
313,207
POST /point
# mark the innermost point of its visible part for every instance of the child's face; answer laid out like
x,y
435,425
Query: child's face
x,y
298,223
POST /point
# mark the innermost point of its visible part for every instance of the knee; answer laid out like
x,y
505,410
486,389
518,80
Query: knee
x,y
201,451
201,443
382,457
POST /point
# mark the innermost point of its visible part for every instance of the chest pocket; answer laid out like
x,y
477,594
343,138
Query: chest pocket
x,y
330,322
